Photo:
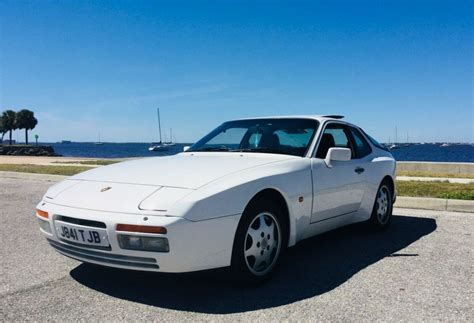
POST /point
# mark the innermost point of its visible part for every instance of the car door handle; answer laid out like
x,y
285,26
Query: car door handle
x,y
359,170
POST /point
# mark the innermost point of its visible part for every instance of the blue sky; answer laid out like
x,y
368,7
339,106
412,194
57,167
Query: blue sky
x,y
90,66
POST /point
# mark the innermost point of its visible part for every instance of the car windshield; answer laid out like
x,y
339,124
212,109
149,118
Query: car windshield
x,y
276,136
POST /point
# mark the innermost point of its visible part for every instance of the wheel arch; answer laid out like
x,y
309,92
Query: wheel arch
x,y
273,194
391,183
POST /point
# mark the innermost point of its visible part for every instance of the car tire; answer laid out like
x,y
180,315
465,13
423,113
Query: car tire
x,y
260,242
383,207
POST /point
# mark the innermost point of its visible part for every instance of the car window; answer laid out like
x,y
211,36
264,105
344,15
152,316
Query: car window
x,y
375,142
340,137
289,136
334,135
294,137
254,139
229,138
362,147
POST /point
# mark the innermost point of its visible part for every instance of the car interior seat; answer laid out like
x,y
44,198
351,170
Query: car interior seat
x,y
270,141
327,141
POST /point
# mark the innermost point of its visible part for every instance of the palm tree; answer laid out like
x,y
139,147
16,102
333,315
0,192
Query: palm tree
x,y
9,122
25,119
3,130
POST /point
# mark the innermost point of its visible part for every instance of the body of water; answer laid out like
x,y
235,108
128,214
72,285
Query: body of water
x,y
111,150
435,153
413,152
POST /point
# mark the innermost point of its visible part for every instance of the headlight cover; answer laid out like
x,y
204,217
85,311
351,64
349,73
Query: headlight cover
x,y
163,199
60,187
45,226
143,243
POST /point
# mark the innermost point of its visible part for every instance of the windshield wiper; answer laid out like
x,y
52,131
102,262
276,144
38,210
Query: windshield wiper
x,y
260,150
222,148
243,150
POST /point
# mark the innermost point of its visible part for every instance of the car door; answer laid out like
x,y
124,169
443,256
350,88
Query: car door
x,y
337,190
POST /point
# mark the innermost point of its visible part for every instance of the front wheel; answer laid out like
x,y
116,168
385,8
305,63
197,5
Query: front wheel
x,y
259,242
383,207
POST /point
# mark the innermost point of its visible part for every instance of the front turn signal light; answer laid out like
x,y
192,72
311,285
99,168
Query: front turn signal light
x,y
42,214
141,228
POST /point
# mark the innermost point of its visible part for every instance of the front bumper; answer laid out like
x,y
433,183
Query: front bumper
x,y
193,246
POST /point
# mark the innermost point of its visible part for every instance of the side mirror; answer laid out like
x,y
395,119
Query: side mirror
x,y
337,154
185,148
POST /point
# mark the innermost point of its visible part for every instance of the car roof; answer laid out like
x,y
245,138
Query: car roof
x,y
320,118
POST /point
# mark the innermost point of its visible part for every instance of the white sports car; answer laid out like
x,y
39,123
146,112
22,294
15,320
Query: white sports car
x,y
238,197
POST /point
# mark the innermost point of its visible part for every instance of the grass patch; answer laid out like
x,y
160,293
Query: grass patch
x,y
431,174
98,162
43,169
436,189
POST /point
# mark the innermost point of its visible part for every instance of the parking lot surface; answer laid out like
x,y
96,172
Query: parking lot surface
x,y
421,268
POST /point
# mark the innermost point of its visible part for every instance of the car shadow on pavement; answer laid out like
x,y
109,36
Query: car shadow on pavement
x,y
314,267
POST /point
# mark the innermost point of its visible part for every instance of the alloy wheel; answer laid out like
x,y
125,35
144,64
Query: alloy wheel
x,y
383,207
262,243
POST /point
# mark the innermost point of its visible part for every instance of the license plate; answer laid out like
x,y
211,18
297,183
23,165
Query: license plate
x,y
81,234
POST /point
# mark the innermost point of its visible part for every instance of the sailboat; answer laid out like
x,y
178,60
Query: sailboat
x,y
159,146
170,143
394,145
407,143
98,143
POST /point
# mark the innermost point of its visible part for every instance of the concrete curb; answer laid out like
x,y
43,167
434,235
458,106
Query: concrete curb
x,y
436,167
436,179
427,203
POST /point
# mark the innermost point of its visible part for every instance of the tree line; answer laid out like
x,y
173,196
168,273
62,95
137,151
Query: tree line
x,y
11,120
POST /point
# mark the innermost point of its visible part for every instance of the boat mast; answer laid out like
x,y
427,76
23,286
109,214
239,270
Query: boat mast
x,y
159,122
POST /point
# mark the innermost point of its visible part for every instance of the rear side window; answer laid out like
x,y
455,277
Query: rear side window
x,y
361,146
375,142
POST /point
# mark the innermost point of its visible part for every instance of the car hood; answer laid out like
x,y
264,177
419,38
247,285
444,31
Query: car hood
x,y
185,170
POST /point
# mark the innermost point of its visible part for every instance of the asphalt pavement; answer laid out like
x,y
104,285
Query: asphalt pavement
x,y
420,269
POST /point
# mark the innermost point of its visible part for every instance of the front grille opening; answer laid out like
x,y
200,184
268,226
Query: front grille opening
x,y
88,223
104,258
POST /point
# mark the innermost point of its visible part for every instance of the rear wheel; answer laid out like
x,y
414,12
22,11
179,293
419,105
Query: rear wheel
x,y
259,242
383,207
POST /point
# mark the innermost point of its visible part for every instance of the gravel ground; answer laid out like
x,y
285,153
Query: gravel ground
x,y
420,269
